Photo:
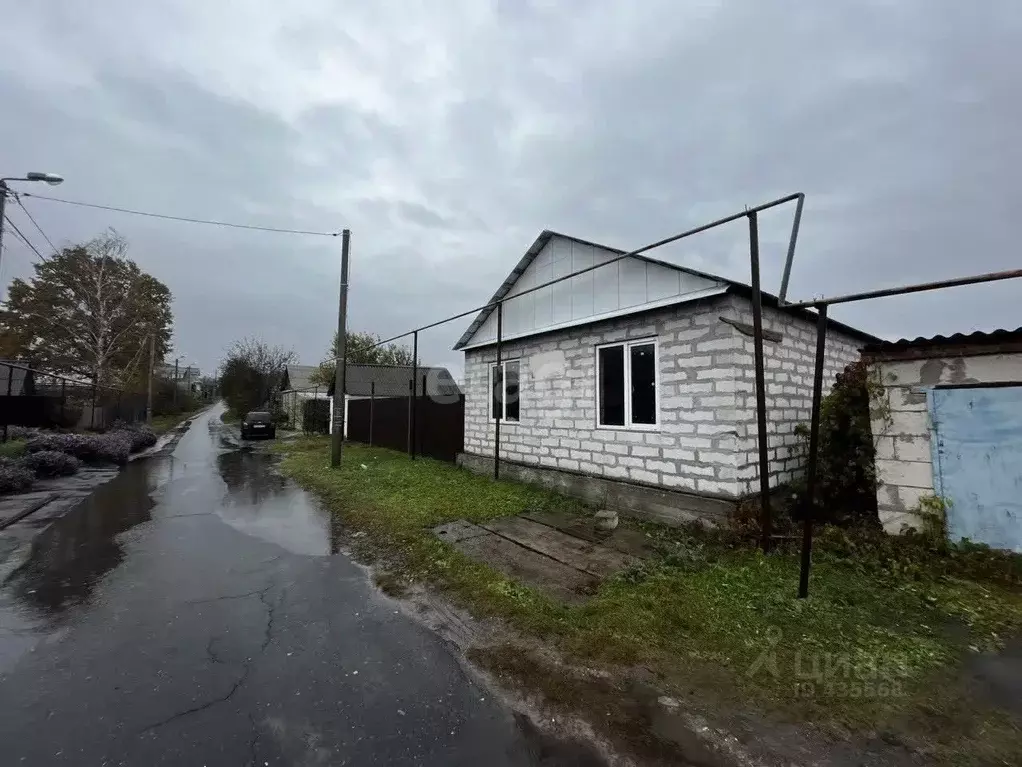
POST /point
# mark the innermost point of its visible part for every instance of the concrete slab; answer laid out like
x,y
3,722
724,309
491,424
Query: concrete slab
x,y
587,556
625,540
459,530
559,580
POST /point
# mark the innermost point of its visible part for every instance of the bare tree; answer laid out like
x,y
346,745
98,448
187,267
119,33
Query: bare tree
x,y
251,370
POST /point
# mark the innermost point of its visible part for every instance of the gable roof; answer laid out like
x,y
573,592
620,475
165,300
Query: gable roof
x,y
296,377
728,286
392,380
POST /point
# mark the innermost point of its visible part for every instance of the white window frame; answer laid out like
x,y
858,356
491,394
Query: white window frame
x,y
627,345
503,399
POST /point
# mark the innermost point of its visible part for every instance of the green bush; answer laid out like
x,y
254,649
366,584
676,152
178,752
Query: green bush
x,y
846,480
14,448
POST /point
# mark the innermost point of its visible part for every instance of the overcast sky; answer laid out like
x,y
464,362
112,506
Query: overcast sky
x,y
447,134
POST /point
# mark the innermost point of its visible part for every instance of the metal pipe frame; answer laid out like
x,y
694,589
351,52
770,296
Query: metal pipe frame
x,y
798,197
814,448
766,521
822,305
901,290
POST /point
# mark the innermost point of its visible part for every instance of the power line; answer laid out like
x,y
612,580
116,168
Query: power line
x,y
24,239
181,218
35,223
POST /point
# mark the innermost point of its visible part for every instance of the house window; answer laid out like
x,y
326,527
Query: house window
x,y
504,390
626,385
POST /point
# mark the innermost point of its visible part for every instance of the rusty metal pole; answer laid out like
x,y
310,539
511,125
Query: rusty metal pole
x,y
498,380
765,521
372,406
814,448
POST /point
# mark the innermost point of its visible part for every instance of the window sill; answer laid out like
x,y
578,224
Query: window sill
x,y
654,428
504,422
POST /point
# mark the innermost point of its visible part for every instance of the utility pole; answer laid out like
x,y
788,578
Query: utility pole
x,y
149,394
3,203
337,436
175,381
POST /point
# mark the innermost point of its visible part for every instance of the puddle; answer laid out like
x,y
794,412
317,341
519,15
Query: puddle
x,y
261,503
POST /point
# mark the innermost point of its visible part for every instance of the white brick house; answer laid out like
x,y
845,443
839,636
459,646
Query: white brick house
x,y
677,341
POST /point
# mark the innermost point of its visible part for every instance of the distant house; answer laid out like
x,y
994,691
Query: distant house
x,y
388,381
948,430
633,385
296,386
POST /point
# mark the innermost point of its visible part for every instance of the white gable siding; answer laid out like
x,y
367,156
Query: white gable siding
x,y
623,286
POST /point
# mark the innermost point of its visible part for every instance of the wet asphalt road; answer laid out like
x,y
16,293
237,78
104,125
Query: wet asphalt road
x,y
192,613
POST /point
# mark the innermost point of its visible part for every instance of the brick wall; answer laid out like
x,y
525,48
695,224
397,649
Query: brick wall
x,y
692,450
788,365
707,437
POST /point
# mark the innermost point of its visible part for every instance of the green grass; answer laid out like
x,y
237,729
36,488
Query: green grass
x,y
875,647
13,448
164,423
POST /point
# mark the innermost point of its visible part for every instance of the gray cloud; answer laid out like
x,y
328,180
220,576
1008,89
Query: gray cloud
x,y
447,139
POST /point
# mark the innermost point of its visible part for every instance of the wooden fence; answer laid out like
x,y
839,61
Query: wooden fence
x,y
440,426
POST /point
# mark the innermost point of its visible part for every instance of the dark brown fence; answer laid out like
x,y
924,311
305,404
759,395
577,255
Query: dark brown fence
x,y
35,398
440,427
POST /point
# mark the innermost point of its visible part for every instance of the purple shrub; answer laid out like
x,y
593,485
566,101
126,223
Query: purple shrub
x,y
141,436
14,477
113,447
50,463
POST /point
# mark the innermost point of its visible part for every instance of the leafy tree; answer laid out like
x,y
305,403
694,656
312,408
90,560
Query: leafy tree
x,y
88,311
250,371
361,349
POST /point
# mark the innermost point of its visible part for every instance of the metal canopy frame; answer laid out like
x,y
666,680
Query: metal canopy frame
x,y
821,305
751,215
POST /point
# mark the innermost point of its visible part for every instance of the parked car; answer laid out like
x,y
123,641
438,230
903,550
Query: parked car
x,y
258,423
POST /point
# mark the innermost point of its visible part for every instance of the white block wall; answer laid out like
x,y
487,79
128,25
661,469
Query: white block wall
x,y
904,459
707,437
789,368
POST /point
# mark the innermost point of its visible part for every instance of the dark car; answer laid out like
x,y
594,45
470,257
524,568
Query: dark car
x,y
258,423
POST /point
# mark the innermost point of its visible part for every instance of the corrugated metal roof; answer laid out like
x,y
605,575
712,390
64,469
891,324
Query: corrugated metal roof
x,y
977,338
392,380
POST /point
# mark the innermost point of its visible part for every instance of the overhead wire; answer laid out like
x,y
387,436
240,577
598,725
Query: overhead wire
x,y
35,223
24,239
168,217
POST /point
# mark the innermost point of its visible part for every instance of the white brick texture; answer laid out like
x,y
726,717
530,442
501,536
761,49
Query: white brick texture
x,y
706,437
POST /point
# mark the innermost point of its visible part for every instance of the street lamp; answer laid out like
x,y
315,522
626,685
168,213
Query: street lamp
x,y
50,178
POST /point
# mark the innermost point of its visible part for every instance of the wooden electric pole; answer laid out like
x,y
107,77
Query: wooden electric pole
x,y
337,435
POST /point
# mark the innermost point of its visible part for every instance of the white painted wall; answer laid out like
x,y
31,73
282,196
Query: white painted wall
x,y
904,460
602,293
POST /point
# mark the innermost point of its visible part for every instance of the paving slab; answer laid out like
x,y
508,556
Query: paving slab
x,y
459,530
588,556
625,540
555,578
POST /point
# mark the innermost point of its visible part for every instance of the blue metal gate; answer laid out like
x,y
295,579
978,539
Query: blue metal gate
x,y
977,462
